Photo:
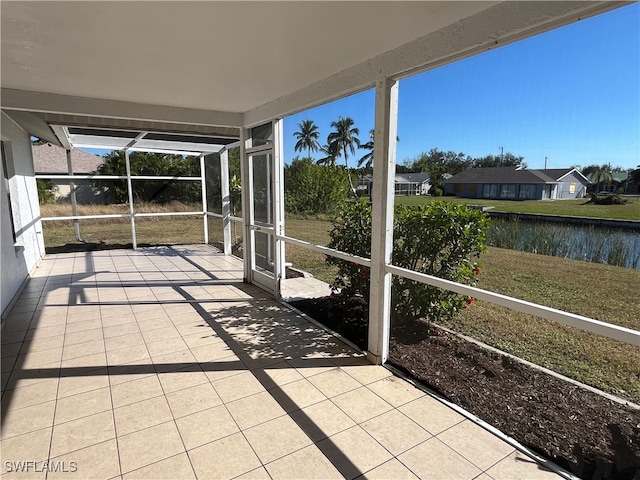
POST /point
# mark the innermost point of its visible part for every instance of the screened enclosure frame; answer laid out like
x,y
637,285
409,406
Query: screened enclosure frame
x,y
226,216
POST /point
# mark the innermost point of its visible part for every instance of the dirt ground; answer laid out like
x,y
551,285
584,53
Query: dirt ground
x,y
587,434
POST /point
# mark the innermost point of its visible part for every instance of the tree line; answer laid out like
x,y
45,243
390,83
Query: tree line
x,y
343,139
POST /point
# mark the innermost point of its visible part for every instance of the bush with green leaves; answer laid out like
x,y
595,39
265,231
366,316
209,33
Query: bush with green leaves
x,y
310,188
156,191
442,239
46,191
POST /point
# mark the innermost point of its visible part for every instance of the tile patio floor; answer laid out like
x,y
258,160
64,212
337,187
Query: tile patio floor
x,y
160,363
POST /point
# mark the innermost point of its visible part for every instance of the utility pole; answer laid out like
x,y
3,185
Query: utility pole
x,y
501,154
545,163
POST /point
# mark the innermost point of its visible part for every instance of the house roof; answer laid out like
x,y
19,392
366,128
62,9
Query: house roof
x,y
556,173
51,159
411,177
404,177
506,175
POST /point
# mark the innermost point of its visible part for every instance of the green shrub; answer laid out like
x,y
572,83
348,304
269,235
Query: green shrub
x,y
607,199
314,189
442,239
46,191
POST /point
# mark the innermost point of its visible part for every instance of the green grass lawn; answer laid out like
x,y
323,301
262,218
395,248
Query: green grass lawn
x,y
598,291
571,208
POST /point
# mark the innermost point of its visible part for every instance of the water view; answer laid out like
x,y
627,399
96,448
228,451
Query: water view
x,y
591,244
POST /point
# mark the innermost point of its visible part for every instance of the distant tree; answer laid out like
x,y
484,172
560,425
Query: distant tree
x,y
307,137
313,189
405,168
214,183
635,176
604,174
345,139
505,160
443,162
588,170
143,163
332,152
46,191
367,159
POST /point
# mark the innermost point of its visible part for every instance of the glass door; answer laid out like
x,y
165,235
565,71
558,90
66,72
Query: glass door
x,y
263,201
263,261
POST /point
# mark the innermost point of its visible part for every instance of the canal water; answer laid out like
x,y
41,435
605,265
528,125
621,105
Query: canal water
x,y
588,243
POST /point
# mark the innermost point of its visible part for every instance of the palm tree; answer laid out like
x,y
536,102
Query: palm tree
x,y
367,159
307,137
332,152
346,139
604,173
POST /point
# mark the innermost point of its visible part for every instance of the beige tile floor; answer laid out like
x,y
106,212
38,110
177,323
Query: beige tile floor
x,y
160,363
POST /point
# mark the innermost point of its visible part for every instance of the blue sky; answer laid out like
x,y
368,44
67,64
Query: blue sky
x,y
572,95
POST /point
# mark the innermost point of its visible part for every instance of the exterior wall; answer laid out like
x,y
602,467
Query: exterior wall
x,y
579,187
365,188
85,194
19,258
464,190
478,190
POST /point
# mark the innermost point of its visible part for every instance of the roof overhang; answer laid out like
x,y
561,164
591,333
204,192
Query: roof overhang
x,y
159,66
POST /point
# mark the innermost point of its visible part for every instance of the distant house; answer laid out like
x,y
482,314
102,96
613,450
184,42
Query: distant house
x,y
404,184
620,183
51,160
513,183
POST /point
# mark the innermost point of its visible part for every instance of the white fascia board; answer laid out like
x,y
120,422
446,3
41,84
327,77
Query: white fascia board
x,y
191,153
63,136
26,100
168,145
496,26
570,172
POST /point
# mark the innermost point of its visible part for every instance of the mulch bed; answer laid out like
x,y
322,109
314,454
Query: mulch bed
x,y
583,432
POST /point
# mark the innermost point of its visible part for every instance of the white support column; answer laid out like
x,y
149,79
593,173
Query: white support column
x,y
203,182
127,163
278,203
247,210
384,160
74,200
226,201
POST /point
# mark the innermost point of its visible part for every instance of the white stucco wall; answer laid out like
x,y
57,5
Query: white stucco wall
x,y
18,259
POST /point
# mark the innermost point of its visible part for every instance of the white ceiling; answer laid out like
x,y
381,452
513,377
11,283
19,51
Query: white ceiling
x,y
197,65
224,56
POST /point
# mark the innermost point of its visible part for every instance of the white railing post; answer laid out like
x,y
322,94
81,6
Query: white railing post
x,y
278,204
74,200
127,162
247,210
203,182
226,201
384,160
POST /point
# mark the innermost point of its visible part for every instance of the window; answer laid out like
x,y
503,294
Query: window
x,y
527,191
7,188
262,135
508,191
572,188
490,190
